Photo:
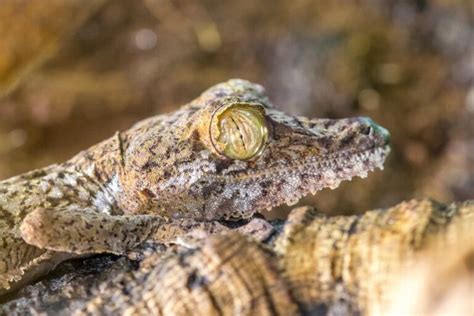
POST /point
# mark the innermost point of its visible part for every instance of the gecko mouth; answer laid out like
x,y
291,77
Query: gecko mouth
x,y
314,175
256,192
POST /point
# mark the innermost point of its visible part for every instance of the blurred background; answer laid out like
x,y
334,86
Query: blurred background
x,y
71,74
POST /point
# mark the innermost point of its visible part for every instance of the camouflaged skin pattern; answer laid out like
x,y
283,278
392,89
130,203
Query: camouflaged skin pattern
x,y
164,170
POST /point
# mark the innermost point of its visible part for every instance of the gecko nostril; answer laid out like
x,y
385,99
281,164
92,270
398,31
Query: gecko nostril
x,y
367,130
372,128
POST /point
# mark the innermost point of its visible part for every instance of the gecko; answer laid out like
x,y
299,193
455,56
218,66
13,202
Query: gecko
x,y
224,156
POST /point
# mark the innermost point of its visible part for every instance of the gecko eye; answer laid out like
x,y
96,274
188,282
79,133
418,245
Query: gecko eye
x,y
240,131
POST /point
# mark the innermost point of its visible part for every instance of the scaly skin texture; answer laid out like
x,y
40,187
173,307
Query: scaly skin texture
x,y
168,174
415,258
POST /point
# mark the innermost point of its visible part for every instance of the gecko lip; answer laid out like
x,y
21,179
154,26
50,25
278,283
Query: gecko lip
x,y
276,186
335,161
312,176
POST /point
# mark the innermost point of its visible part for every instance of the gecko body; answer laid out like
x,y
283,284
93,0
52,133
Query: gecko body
x,y
224,156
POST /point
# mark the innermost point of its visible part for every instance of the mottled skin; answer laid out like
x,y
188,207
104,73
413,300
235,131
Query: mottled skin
x,y
167,174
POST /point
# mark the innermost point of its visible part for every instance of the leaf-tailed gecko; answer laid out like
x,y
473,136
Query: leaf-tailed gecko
x,y
224,156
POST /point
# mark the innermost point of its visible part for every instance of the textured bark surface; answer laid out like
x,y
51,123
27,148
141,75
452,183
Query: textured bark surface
x,y
356,260
315,265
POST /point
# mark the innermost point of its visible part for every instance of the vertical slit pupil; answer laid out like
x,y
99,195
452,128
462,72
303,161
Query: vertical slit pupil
x,y
243,131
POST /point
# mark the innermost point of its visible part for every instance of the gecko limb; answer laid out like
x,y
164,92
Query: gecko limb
x,y
67,230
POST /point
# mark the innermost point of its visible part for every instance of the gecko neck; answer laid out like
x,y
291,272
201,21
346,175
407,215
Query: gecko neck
x,y
102,164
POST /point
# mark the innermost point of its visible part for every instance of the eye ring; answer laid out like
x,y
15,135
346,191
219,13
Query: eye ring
x,y
239,130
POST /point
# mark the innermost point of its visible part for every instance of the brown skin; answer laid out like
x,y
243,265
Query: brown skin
x,y
171,164
173,169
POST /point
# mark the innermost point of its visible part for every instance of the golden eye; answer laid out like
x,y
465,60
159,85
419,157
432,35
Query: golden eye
x,y
241,131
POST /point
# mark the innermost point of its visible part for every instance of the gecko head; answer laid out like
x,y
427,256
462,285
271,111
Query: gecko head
x,y
230,153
